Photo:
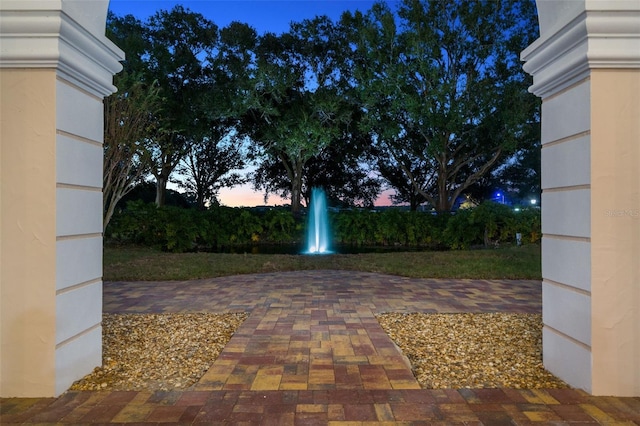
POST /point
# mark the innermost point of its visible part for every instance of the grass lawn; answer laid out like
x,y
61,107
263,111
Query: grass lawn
x,y
145,264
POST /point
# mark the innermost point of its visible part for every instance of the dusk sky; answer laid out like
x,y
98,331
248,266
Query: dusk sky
x,y
263,15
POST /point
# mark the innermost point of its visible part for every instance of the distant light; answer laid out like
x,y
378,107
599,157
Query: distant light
x,y
498,194
517,209
533,201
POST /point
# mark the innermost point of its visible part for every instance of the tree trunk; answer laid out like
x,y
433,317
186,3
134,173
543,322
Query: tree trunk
x,y
296,193
443,203
413,200
200,195
161,187
294,171
162,179
200,201
109,214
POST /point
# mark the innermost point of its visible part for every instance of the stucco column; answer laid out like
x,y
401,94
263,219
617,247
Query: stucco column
x,y
56,66
586,69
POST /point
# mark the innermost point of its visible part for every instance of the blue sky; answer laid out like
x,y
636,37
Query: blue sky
x,y
263,15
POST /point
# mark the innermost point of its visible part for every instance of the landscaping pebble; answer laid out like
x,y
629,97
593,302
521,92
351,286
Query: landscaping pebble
x,y
173,351
159,351
488,350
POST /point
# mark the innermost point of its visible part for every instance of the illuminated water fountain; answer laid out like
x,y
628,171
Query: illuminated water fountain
x,y
318,235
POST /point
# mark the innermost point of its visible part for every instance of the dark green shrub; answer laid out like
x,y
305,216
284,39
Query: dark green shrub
x,y
247,227
491,224
529,224
220,223
388,227
280,227
178,229
168,228
136,224
460,231
354,227
182,228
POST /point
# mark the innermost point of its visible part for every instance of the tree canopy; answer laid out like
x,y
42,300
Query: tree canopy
x,y
428,98
178,53
443,90
297,108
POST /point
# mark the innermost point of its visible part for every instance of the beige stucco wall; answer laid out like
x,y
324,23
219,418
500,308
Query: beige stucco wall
x,y
615,231
56,66
27,231
51,233
586,69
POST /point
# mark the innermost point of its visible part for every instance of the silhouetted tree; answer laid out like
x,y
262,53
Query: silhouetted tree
x,y
443,88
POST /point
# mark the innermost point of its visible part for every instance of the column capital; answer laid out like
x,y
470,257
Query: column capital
x,y
587,35
60,34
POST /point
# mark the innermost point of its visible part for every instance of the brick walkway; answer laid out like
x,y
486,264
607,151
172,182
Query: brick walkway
x,y
312,352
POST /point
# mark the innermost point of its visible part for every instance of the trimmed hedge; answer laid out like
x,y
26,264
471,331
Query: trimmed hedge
x,y
178,229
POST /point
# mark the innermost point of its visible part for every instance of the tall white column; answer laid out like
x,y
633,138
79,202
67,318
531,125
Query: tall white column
x,y
56,66
586,69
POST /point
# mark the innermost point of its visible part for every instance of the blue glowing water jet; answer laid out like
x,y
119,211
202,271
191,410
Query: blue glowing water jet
x,y
318,240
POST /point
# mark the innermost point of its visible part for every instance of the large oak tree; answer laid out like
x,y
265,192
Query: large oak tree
x,y
193,67
179,41
443,89
297,107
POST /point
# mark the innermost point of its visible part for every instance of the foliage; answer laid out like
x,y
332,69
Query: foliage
x,y
146,192
353,227
444,90
218,153
168,228
520,176
281,227
429,96
341,169
178,39
297,109
128,118
177,229
491,224
210,166
390,227
174,50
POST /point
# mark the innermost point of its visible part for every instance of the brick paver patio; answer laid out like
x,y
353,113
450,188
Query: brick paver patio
x,y
312,352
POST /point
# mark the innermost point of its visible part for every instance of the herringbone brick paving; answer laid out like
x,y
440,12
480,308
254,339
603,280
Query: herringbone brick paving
x,y
312,352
